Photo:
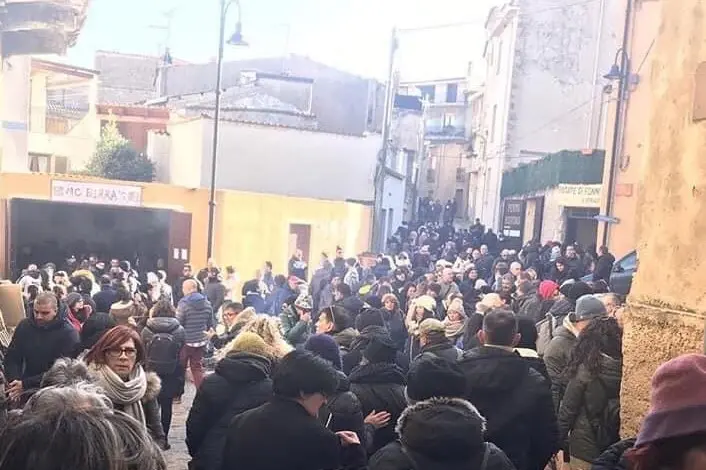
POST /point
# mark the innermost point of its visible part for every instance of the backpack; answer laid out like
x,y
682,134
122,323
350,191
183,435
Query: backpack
x,y
607,422
163,354
546,329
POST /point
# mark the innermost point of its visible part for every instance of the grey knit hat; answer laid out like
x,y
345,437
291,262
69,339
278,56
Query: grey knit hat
x,y
588,307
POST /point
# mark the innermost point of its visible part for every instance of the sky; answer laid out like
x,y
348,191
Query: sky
x,y
353,35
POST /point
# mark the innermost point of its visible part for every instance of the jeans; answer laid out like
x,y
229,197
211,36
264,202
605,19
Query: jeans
x,y
165,407
193,357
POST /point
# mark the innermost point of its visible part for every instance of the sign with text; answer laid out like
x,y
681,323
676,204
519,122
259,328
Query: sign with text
x,y
513,218
96,193
579,195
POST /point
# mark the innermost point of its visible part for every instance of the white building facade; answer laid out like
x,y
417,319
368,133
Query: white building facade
x,y
544,87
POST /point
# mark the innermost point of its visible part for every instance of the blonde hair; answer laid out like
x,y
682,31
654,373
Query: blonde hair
x,y
268,328
392,297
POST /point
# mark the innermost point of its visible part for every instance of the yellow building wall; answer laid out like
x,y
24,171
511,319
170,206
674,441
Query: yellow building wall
x,y
667,303
250,228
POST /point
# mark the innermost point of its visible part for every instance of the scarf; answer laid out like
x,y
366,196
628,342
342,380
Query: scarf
x,y
125,394
454,328
570,326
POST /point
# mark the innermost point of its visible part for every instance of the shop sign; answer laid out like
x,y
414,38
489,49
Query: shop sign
x,y
96,193
579,195
513,215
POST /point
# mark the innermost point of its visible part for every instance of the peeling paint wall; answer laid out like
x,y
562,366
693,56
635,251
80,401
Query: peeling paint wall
x,y
668,300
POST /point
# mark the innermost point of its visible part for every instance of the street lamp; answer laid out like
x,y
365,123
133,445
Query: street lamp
x,y
236,40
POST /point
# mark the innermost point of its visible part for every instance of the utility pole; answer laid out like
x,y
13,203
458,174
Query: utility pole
x,y
390,91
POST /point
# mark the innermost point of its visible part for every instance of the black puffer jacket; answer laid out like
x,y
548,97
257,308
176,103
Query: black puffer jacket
x,y
443,349
241,382
556,358
516,401
380,387
392,457
614,457
354,356
581,409
343,411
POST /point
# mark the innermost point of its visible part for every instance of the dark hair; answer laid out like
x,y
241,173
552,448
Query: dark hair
x,y
163,308
665,453
123,295
528,332
350,261
187,266
601,336
105,280
344,289
280,280
115,338
500,327
96,325
525,287
33,291
339,317
435,288
268,264
252,285
236,307
230,269
302,373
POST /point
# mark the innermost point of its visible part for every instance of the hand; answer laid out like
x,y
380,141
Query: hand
x,y
210,333
348,438
15,390
378,420
305,317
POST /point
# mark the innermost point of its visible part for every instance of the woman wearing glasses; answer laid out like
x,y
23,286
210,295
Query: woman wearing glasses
x,y
116,364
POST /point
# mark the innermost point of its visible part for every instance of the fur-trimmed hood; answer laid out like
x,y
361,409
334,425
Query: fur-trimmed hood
x,y
154,386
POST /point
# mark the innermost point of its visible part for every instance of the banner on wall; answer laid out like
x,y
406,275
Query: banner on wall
x,y
96,193
579,195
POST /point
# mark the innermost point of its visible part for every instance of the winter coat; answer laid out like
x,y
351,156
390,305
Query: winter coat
x,y
614,457
392,457
34,348
343,411
298,268
273,304
394,322
556,358
172,384
380,387
345,338
318,281
295,331
282,435
582,408
561,308
604,267
443,349
352,304
240,382
105,299
196,316
516,401
221,341
325,298
124,313
255,300
529,306
354,356
339,267
215,293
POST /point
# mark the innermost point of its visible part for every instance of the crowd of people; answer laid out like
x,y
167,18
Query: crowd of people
x,y
446,352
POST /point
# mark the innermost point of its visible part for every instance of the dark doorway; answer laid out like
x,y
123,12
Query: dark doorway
x,y
45,231
300,239
581,227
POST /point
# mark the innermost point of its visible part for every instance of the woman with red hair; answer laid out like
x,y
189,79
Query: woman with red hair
x,y
116,364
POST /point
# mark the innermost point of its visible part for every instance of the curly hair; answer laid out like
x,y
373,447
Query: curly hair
x,y
601,336
268,328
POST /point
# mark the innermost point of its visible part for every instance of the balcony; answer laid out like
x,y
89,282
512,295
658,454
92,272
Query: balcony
x,y
450,133
40,26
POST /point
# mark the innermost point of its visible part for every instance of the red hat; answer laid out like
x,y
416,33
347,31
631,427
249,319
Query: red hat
x,y
677,401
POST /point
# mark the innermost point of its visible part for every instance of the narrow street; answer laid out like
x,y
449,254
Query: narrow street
x,y
178,457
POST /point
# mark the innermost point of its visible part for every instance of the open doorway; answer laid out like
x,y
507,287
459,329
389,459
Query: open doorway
x,y
46,231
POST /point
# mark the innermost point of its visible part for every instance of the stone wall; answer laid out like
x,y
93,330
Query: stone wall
x,y
668,299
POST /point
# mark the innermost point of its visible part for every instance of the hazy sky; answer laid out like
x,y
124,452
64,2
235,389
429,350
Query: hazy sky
x,y
349,34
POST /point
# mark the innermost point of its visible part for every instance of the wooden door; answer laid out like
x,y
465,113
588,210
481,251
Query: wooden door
x,y
300,239
179,243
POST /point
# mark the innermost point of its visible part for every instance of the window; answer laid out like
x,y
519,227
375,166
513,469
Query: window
x,y
61,165
39,163
451,92
492,123
449,120
500,58
428,92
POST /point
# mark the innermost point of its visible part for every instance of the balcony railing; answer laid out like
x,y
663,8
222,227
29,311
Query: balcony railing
x,y
445,132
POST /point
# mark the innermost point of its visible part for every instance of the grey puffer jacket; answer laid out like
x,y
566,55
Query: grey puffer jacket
x,y
582,407
196,316
556,358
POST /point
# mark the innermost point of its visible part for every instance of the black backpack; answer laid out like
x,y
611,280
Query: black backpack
x,y
163,354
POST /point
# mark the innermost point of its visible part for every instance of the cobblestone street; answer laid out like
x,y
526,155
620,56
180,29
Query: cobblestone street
x,y
178,457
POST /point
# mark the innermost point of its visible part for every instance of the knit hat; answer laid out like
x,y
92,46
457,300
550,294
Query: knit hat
x,y
441,430
675,409
380,349
369,317
430,326
304,302
425,301
433,376
578,290
489,302
588,307
547,289
325,347
249,342
72,298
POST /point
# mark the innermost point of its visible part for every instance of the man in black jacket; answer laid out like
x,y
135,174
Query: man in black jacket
x,y
37,342
285,432
107,295
514,398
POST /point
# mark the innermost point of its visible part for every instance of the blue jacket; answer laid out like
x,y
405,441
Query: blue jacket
x,y
255,301
105,298
276,299
196,316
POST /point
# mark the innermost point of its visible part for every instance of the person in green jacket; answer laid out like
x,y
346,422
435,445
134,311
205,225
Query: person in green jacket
x,y
296,320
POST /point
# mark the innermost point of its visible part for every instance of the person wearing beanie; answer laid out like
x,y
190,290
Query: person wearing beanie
x,y
433,340
353,357
589,415
514,398
343,411
241,381
558,351
379,385
76,312
422,308
455,321
433,376
440,433
296,320
369,317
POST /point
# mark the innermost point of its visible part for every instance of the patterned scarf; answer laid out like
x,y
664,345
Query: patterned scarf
x,y
124,394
